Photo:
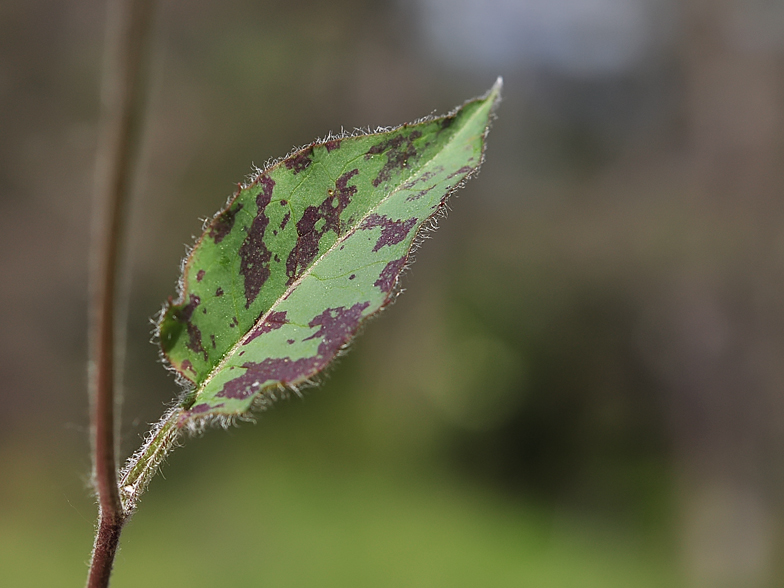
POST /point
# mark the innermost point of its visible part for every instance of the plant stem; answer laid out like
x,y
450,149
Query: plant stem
x,y
128,26
142,465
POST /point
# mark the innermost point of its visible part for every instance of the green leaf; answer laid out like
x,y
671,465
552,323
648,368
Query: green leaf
x,y
301,256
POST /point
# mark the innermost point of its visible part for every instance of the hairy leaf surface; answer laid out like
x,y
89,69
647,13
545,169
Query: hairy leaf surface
x,y
286,273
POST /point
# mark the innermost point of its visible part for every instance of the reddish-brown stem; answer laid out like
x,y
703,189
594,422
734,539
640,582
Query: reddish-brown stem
x,y
128,26
104,550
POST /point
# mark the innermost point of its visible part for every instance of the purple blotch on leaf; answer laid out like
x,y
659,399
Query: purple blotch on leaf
x,y
386,281
427,176
183,315
187,365
308,237
446,122
254,254
204,407
195,410
274,321
399,149
200,275
332,145
219,291
423,178
392,232
463,170
299,161
222,224
336,326
419,194
194,341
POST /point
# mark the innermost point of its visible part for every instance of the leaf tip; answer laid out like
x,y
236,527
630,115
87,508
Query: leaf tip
x,y
494,94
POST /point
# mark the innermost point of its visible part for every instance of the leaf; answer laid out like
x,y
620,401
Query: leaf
x,y
301,256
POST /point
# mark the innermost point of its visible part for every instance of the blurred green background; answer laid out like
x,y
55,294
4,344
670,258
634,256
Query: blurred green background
x,y
582,384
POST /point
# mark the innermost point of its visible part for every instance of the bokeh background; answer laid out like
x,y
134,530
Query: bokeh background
x,y
582,385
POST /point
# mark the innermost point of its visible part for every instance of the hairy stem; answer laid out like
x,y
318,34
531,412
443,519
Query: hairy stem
x,y
128,26
142,465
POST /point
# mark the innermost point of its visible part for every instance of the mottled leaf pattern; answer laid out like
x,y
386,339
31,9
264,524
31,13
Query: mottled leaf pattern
x,y
283,277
